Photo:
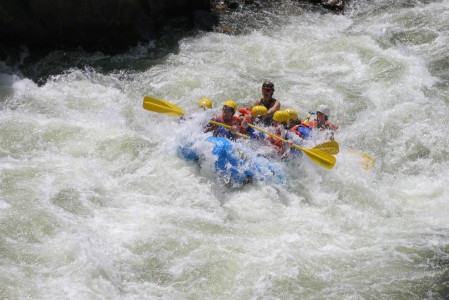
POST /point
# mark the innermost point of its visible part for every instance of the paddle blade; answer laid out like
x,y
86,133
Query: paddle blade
x,y
329,147
320,157
161,106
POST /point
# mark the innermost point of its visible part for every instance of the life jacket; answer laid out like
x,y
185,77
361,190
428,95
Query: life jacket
x,y
293,124
277,144
234,121
224,132
245,114
302,130
327,125
245,111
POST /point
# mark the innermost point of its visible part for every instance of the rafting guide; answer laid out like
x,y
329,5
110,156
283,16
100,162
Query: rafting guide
x,y
269,102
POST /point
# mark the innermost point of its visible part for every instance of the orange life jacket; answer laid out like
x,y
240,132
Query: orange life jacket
x,y
245,114
234,121
245,111
277,144
327,125
302,130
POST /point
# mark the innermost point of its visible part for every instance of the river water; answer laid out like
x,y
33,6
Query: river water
x,y
95,203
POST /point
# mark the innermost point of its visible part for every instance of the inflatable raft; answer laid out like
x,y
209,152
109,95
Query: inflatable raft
x,y
233,162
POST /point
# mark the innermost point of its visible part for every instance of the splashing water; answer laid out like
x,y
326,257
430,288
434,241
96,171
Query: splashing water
x,y
95,202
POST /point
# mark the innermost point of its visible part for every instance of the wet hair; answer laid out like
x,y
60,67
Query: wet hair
x,y
268,85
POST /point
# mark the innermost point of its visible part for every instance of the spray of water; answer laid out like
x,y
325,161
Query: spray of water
x,y
95,202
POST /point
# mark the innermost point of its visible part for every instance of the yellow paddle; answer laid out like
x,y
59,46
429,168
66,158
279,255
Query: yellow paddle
x,y
161,106
330,147
308,117
318,156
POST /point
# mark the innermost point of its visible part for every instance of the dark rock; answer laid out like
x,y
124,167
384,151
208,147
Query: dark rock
x,y
233,5
105,25
334,4
204,20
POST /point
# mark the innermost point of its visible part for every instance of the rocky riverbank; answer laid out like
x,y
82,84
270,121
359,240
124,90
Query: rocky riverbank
x,y
110,26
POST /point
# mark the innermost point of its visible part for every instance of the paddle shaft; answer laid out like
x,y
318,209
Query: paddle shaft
x,y
308,117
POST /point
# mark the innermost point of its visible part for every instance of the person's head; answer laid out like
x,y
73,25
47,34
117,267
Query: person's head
x,y
258,111
323,112
293,114
229,108
267,89
281,117
205,103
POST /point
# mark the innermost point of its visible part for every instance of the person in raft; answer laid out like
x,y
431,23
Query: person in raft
x,y
254,117
321,122
294,119
280,128
269,102
229,118
205,103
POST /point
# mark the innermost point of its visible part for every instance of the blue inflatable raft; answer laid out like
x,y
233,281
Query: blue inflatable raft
x,y
233,162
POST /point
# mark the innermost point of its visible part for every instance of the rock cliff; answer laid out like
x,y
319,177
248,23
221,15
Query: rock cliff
x,y
109,26
106,25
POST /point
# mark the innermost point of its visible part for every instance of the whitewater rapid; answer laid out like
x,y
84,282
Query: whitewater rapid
x,y
96,204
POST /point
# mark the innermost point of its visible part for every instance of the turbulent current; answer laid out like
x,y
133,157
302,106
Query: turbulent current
x,y
96,204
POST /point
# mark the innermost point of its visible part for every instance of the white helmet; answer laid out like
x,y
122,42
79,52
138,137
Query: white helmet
x,y
324,110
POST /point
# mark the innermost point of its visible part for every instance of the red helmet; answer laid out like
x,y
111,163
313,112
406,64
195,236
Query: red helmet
x,y
268,85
